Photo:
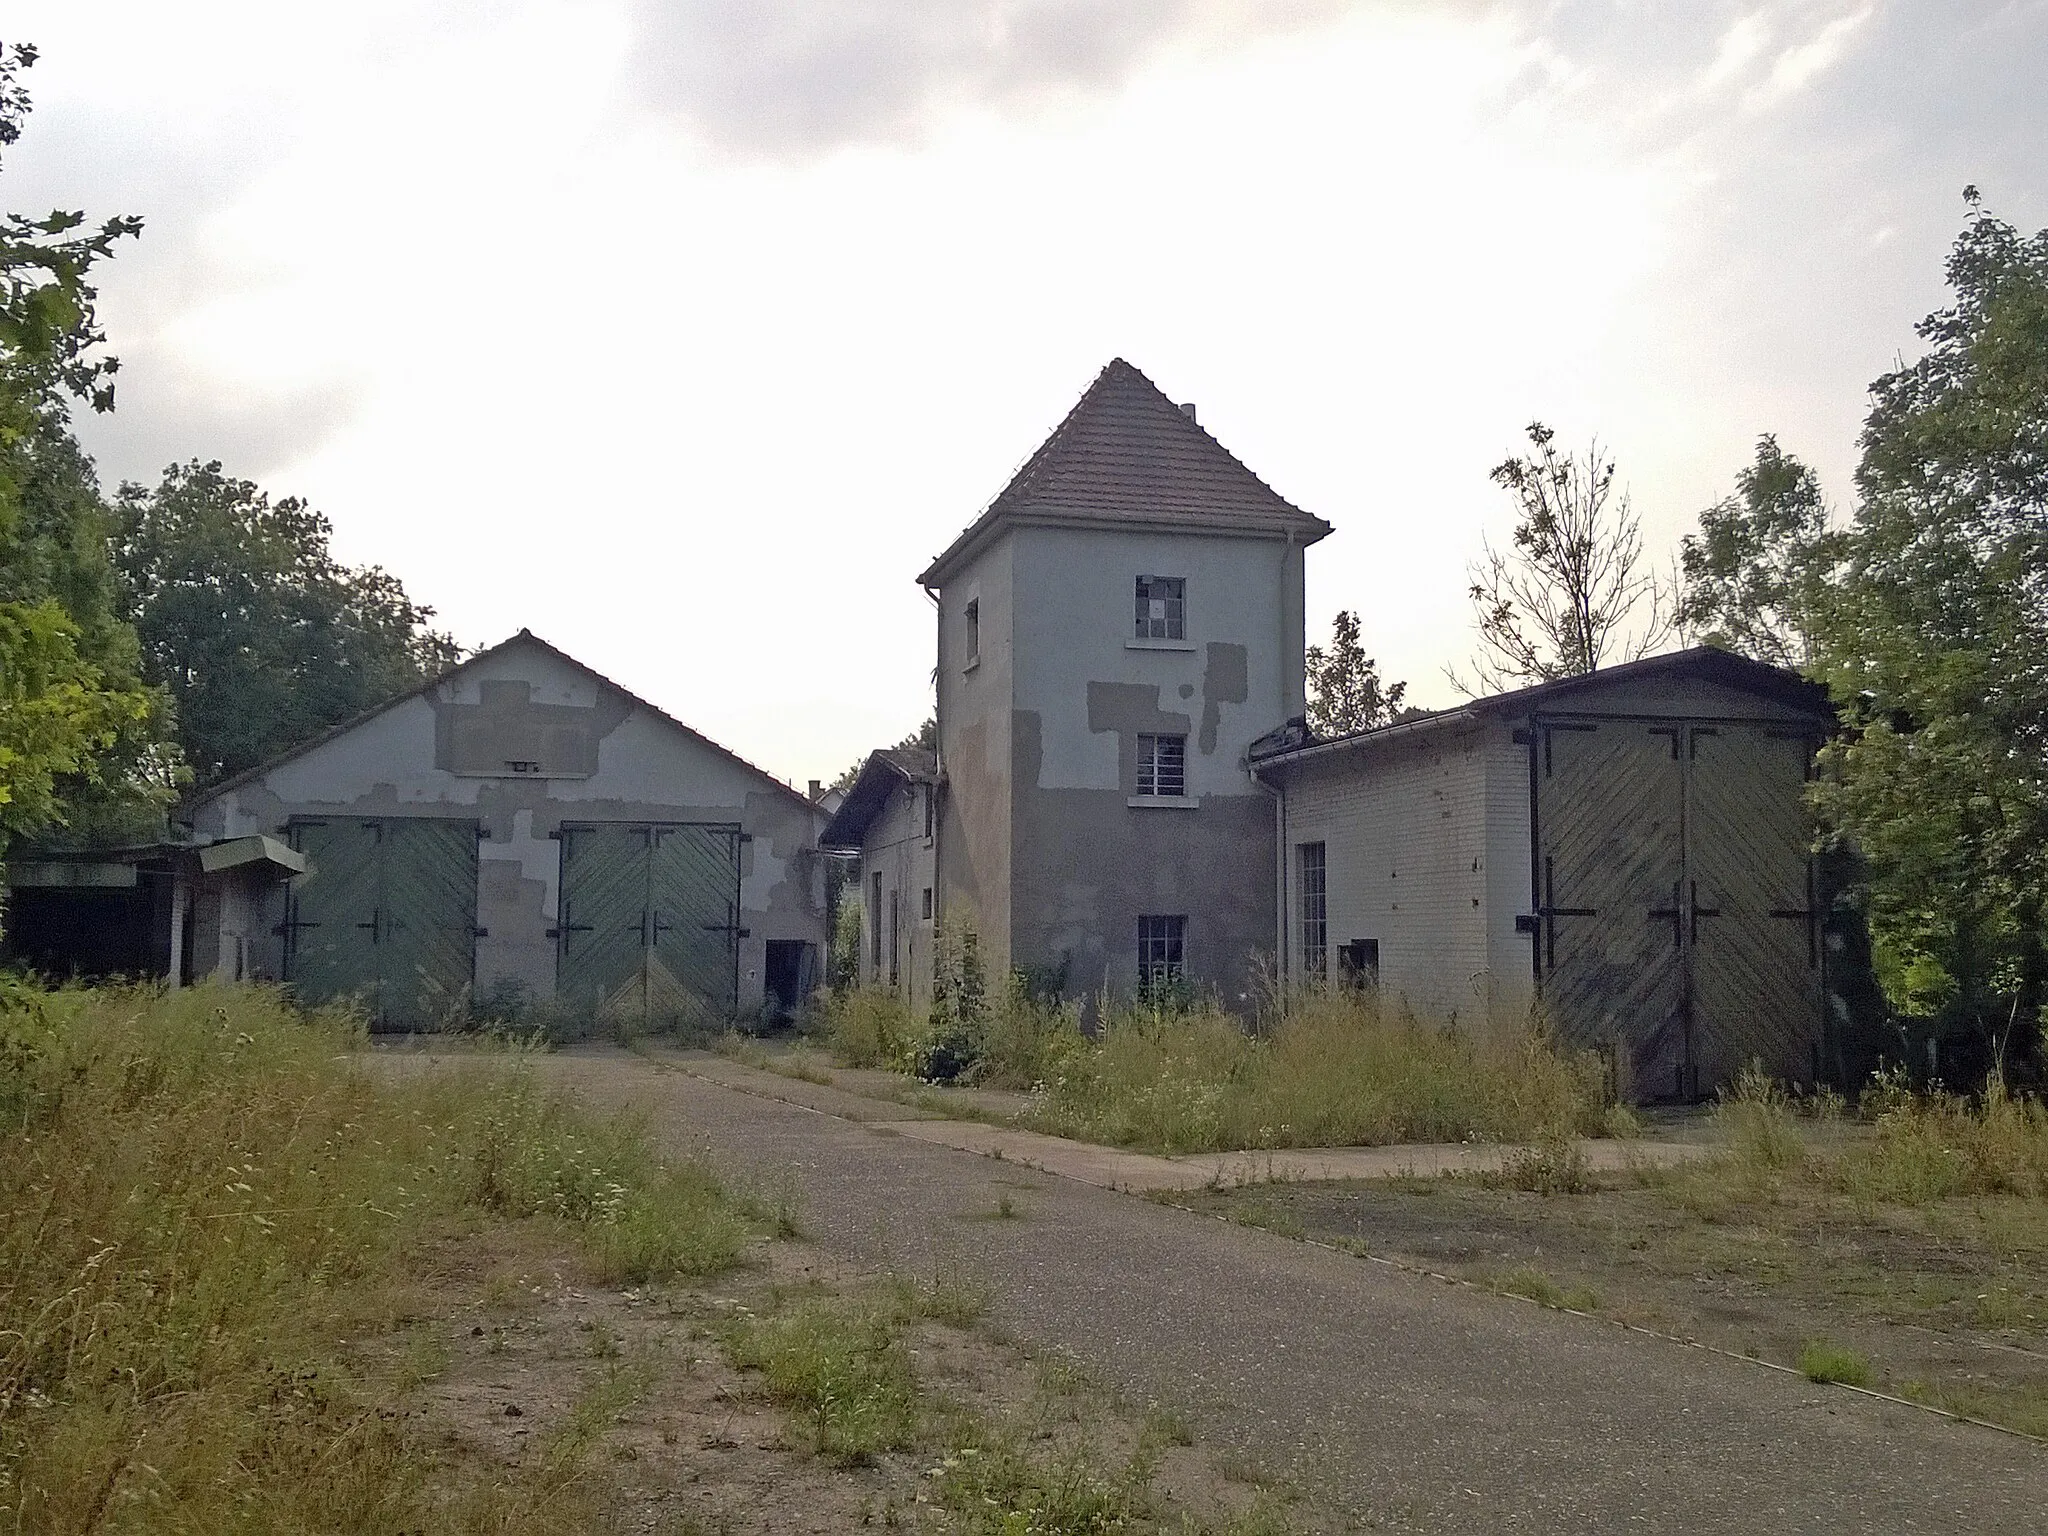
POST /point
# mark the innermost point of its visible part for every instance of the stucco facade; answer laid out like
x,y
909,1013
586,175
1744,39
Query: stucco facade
x,y
521,741
1094,771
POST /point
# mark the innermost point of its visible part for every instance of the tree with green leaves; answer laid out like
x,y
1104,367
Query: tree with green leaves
x,y
1934,639
1575,592
259,635
1755,575
78,731
1345,691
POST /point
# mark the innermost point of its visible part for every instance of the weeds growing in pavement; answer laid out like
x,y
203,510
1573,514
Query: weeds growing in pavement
x,y
1820,1360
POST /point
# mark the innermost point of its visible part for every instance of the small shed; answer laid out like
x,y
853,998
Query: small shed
x,y
1630,848
520,833
890,818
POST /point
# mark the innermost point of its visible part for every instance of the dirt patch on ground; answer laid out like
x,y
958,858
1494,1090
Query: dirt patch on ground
x,y
1947,1303
512,1357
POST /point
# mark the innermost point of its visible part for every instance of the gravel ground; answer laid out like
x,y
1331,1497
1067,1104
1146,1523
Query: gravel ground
x,y
1392,1401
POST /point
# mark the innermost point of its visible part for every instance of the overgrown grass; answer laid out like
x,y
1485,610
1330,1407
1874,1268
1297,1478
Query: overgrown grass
x,y
1822,1360
1335,1070
204,1196
1330,1069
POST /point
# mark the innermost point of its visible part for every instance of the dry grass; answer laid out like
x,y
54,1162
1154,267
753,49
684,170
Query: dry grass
x,y
205,1199
1334,1071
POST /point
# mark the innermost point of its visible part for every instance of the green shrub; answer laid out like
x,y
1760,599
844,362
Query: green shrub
x,y
1933,1146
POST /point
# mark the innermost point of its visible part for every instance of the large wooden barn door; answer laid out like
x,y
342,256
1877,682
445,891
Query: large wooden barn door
x,y
385,913
1755,924
650,920
1610,817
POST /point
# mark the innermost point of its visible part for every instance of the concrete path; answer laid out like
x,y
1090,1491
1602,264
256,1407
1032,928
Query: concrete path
x,y
1395,1401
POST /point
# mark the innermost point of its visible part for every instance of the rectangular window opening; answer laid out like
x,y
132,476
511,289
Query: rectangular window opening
x,y
974,631
895,949
1162,607
875,930
1162,952
1359,965
927,903
1315,912
1162,765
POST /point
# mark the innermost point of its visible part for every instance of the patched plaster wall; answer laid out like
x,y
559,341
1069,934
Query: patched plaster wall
x,y
570,749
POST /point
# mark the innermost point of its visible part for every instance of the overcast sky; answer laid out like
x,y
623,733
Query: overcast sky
x,y
685,333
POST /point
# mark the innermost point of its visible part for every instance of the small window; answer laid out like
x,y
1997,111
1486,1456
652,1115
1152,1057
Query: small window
x,y
1360,964
895,947
927,903
1315,912
1162,607
974,632
1162,765
1162,952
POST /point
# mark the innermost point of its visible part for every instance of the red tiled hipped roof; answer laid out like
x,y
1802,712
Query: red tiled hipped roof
x,y
1127,455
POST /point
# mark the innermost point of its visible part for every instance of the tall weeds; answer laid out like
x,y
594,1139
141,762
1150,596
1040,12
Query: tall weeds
x,y
200,1195
1333,1070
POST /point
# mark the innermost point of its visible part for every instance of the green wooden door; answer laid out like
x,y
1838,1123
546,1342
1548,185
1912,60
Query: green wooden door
x,y
1610,818
649,921
385,914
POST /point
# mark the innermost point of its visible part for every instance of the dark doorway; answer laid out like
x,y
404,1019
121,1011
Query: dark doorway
x,y
788,978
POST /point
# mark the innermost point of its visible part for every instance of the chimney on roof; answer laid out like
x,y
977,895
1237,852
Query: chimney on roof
x,y
1188,410
817,789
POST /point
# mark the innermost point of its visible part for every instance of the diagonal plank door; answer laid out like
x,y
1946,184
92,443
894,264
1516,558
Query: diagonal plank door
x,y
649,921
384,914
1610,816
1756,953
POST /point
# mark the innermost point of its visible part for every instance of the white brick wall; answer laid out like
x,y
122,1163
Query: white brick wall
x,y
1426,850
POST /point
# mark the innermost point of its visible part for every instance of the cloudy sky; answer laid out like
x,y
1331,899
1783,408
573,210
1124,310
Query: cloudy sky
x,y
685,331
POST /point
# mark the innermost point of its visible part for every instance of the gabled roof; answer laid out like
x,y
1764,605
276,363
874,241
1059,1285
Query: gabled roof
x,y
1128,457
525,637
879,778
1704,663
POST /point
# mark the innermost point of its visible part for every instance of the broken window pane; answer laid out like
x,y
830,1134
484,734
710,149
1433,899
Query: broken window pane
x,y
1162,607
1162,765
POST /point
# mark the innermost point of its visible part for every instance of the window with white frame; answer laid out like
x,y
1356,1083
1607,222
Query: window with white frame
x,y
1162,766
1315,912
1162,607
1162,951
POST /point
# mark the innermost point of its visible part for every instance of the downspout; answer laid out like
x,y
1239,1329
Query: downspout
x,y
1280,947
938,766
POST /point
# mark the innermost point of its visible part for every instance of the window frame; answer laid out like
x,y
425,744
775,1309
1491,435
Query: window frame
x,y
972,614
1312,888
1172,621
1162,951
1154,751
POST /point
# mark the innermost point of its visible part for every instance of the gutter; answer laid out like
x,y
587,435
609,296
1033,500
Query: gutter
x,y
1465,715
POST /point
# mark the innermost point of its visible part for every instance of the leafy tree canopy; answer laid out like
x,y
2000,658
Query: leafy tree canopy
x,y
1345,691
1754,574
78,732
1936,638
261,638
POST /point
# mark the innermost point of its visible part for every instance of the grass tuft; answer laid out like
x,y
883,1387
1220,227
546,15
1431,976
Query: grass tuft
x,y
1820,1360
